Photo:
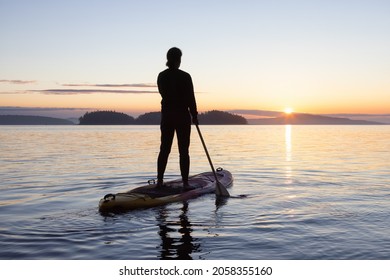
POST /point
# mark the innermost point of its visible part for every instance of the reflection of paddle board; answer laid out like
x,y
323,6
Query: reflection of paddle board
x,y
150,195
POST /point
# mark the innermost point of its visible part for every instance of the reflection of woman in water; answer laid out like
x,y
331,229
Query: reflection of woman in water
x,y
177,104
176,248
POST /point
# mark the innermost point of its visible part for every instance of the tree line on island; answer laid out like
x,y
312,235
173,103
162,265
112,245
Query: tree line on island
x,y
153,118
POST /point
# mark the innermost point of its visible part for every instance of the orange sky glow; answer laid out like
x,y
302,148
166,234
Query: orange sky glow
x,y
320,58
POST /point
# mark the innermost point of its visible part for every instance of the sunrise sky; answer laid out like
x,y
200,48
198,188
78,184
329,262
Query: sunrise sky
x,y
310,56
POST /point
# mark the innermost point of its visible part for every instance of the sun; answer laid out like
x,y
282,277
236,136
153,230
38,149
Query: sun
x,y
288,111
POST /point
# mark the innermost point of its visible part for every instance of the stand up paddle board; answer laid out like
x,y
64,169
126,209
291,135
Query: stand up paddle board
x,y
150,195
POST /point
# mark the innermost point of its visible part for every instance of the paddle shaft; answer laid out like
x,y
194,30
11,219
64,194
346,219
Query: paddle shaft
x,y
220,190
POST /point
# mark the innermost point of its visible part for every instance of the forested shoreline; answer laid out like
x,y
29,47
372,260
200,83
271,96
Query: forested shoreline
x,y
153,118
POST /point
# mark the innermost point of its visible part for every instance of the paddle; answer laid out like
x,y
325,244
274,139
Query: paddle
x,y
220,190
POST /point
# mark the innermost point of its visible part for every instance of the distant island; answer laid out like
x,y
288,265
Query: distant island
x,y
309,119
220,117
106,118
32,120
154,118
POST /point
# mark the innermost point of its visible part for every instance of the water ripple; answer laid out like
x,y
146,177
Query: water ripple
x,y
299,193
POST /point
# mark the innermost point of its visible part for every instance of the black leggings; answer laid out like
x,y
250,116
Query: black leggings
x,y
181,124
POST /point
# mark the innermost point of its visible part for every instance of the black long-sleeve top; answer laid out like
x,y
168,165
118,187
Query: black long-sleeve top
x,y
177,91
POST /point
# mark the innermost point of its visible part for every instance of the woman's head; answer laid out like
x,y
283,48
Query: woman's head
x,y
174,57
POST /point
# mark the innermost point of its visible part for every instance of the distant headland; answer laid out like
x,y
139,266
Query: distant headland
x,y
309,119
32,120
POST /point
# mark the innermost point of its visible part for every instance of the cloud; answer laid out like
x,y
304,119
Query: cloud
x,y
17,82
10,109
89,91
55,112
259,113
140,85
134,88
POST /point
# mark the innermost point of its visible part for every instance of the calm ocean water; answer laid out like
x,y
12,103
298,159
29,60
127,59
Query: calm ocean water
x,y
312,192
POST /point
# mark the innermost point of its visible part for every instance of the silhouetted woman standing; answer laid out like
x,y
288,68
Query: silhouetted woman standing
x,y
178,105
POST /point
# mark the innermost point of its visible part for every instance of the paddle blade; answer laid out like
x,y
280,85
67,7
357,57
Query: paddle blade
x,y
220,190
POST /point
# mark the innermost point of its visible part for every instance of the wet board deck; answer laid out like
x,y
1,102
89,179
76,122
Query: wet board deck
x,y
150,195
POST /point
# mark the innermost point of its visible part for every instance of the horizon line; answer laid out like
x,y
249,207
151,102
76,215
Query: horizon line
x,y
239,111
